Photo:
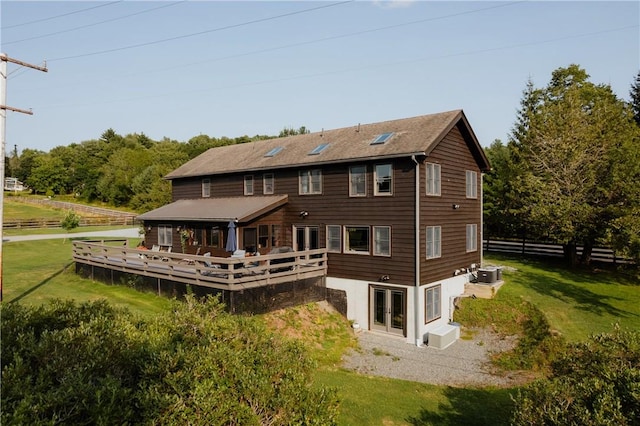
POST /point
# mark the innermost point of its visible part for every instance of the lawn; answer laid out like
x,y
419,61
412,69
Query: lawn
x,y
15,210
577,303
38,271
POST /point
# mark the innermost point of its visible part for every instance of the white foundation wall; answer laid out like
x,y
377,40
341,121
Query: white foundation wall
x,y
358,302
450,289
357,292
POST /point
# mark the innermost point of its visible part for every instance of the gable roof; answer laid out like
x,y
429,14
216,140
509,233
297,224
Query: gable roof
x,y
410,136
237,209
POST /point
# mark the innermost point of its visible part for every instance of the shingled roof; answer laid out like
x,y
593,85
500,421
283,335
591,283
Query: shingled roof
x,y
410,136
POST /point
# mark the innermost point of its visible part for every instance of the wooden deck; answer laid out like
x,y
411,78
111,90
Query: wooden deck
x,y
227,273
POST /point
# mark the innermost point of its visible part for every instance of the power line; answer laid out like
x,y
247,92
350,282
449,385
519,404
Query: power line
x,y
347,70
93,24
62,15
242,24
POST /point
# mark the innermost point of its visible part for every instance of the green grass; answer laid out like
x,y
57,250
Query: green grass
x,y
576,303
15,210
36,272
367,400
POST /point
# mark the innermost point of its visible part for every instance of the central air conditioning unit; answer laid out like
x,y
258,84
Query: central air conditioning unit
x,y
489,275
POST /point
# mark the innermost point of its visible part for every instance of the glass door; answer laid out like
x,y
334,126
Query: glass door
x,y
388,309
306,238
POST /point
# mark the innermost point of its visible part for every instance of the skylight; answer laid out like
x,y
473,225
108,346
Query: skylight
x,y
318,149
380,139
274,151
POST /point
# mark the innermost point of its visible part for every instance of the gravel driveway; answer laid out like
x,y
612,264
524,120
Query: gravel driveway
x,y
464,363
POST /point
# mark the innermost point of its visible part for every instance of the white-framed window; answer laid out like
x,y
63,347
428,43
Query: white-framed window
x,y
472,237
248,185
356,239
268,183
383,178
433,309
334,239
382,241
358,181
310,182
206,188
165,235
433,242
433,179
472,184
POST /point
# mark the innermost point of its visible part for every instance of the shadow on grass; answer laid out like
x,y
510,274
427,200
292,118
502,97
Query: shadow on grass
x,y
469,407
553,278
40,284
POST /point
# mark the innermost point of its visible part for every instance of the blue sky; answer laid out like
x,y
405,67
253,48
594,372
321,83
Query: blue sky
x,y
183,68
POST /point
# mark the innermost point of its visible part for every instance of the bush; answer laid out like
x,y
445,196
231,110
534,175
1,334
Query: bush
x,y
94,364
592,383
70,221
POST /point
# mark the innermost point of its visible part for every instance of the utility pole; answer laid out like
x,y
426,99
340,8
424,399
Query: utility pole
x,y
4,59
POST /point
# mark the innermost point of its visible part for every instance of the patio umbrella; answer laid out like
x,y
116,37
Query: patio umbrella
x,y
232,243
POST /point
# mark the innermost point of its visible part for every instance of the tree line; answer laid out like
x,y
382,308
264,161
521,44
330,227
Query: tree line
x,y
568,173
122,171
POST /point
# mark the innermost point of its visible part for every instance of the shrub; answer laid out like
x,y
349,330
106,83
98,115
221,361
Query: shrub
x,y
70,221
94,364
592,383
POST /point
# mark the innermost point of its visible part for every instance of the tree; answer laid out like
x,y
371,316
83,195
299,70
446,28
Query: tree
x,y
592,383
290,131
577,146
92,363
635,98
48,175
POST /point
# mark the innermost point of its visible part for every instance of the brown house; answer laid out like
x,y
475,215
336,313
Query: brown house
x,y
397,205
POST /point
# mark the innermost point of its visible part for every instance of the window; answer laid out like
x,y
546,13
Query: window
x,y
206,188
356,239
384,179
274,151
433,309
472,184
380,139
310,182
165,235
248,185
318,149
358,181
268,183
382,241
275,235
433,179
472,237
334,243
263,236
216,237
433,242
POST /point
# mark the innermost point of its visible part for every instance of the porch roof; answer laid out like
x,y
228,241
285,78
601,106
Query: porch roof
x,y
237,209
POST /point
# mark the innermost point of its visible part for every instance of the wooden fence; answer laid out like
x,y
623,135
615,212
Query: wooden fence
x,y
56,223
91,216
599,254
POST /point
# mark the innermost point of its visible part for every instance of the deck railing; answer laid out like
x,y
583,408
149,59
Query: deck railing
x,y
226,273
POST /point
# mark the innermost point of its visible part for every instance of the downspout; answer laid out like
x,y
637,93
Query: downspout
x,y
481,220
416,293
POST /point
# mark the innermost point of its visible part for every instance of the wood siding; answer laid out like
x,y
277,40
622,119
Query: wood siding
x,y
335,207
455,159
